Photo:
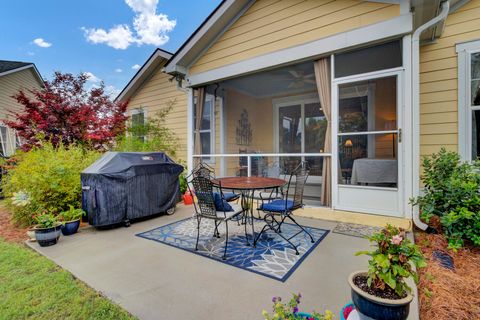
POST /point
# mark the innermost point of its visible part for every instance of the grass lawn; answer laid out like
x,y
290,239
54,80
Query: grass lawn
x,y
31,286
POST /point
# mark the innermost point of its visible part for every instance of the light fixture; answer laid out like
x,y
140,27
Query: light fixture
x,y
348,143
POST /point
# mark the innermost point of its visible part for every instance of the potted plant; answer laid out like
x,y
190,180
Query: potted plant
x,y
47,229
71,220
381,292
282,311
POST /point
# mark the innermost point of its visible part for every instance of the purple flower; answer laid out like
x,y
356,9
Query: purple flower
x,y
295,309
274,299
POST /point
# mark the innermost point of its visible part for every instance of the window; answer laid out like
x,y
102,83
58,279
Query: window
x,y
3,141
301,129
207,127
374,58
469,99
138,123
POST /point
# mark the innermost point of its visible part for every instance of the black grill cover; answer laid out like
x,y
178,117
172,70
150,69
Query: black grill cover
x,y
122,186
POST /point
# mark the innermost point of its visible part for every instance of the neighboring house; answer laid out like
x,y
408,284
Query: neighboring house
x,y
151,90
14,76
359,89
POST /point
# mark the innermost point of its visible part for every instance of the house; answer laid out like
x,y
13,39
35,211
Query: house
x,y
14,76
359,89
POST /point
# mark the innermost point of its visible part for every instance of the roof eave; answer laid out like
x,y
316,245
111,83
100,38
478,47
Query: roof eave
x,y
211,28
143,73
35,72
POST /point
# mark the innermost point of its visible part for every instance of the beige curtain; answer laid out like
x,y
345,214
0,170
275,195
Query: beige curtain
x,y
322,77
198,122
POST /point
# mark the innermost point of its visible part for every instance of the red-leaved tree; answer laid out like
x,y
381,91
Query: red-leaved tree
x,y
64,111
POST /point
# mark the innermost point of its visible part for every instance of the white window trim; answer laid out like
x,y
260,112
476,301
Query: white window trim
x,y
210,98
464,51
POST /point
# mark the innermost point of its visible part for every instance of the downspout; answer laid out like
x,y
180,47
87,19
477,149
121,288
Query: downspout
x,y
445,7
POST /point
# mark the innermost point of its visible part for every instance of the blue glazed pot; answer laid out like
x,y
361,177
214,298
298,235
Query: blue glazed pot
x,y
372,307
47,236
70,227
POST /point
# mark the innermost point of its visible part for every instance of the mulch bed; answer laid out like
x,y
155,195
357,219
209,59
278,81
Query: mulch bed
x,y
8,230
444,293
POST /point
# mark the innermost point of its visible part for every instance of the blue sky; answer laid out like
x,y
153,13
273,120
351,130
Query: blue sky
x,y
104,37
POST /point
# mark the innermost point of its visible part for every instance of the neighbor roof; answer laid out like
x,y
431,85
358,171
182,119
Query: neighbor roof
x,y
157,58
8,67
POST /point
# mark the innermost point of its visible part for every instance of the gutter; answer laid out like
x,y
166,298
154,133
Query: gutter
x,y
445,7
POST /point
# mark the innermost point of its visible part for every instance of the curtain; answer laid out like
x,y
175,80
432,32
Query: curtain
x,y
322,77
198,123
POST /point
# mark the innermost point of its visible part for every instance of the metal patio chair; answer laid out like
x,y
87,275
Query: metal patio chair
x,y
278,210
205,208
206,171
260,196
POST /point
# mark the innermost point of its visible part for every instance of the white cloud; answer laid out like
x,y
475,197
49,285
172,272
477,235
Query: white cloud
x,y
92,78
136,66
150,28
42,43
118,70
118,37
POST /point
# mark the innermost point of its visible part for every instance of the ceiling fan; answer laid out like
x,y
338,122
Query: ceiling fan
x,y
299,78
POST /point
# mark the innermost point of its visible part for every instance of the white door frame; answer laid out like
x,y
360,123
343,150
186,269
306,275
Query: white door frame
x,y
356,190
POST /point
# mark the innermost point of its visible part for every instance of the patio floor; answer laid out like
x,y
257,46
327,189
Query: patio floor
x,y
155,281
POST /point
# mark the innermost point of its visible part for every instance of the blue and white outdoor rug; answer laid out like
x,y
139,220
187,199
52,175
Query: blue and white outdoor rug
x,y
273,257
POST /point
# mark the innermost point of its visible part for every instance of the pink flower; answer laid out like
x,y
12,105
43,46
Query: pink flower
x,y
397,239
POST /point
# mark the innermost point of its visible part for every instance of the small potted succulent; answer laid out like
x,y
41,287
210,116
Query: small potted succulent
x,y
381,292
282,311
71,220
47,229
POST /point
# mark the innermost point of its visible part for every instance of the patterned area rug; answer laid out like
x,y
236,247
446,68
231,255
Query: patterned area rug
x,y
355,230
273,257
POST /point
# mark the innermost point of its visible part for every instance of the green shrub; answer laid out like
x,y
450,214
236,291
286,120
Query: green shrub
x,y
452,192
48,178
152,136
461,224
448,184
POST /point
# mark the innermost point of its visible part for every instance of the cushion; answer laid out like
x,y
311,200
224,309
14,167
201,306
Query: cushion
x,y
230,196
277,206
220,204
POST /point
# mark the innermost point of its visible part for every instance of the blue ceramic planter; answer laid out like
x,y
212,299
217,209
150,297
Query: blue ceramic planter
x,y
47,236
70,227
372,307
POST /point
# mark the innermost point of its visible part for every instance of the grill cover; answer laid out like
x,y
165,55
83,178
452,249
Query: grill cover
x,y
122,186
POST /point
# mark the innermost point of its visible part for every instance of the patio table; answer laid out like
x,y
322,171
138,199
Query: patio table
x,y
247,186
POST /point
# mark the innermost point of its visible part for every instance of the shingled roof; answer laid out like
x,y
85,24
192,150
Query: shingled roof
x,y
11,65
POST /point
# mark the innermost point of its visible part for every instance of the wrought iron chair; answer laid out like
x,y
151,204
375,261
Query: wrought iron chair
x,y
277,211
206,171
274,171
205,208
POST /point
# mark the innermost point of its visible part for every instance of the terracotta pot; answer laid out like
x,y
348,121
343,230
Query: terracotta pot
x,y
373,307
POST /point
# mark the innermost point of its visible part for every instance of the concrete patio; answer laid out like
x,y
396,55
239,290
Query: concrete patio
x,y
155,281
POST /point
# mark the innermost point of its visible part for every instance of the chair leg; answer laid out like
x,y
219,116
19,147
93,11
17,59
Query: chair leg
x,y
198,232
303,229
271,227
246,235
215,232
226,241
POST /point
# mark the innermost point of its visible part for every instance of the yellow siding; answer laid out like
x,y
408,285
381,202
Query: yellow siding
x,y
156,93
438,80
10,84
271,25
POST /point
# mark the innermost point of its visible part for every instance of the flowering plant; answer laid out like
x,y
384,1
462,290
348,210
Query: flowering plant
x,y
20,199
391,263
289,311
45,220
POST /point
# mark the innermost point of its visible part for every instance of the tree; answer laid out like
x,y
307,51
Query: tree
x,y
65,112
